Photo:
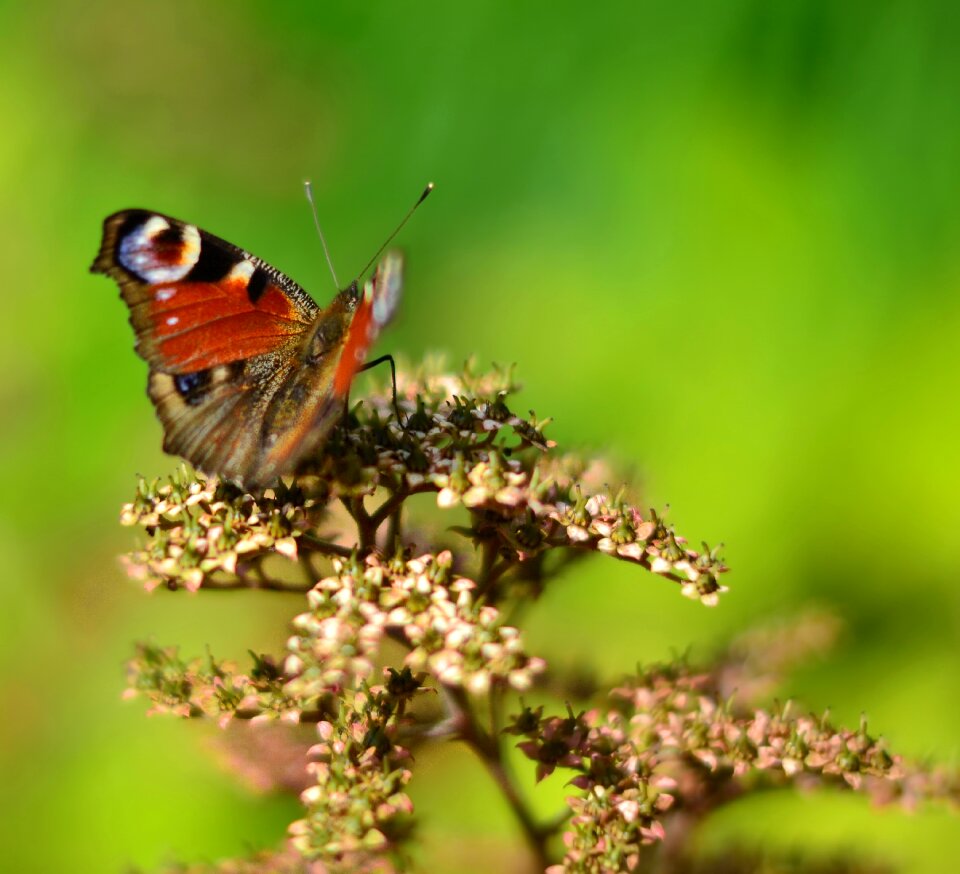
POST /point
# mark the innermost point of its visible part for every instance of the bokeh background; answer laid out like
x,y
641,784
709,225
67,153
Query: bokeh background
x,y
718,239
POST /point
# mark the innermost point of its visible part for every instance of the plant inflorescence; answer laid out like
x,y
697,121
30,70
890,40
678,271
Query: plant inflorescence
x,y
410,633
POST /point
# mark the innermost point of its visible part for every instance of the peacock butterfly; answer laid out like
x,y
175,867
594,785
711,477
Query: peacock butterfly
x,y
247,373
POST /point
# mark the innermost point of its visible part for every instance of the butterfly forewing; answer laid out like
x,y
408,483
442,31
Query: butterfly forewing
x,y
195,300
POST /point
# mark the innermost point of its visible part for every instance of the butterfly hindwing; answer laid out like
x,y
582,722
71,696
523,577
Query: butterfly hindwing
x,y
213,417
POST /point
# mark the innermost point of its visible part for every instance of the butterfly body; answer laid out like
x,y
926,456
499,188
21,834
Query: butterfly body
x,y
247,373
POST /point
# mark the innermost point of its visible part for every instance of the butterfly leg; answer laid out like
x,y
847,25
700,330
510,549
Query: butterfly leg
x,y
393,378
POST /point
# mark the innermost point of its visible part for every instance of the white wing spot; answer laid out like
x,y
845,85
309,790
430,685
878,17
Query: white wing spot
x,y
191,246
172,320
242,270
164,294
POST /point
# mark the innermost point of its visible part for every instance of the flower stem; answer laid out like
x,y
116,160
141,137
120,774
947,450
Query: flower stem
x,y
487,747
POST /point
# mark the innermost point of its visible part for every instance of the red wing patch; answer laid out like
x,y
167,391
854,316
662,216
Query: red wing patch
x,y
200,325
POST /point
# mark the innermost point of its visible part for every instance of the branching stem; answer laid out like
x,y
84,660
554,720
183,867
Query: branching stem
x,y
324,547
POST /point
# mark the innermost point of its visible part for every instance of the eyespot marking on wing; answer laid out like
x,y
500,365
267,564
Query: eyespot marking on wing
x,y
192,387
156,251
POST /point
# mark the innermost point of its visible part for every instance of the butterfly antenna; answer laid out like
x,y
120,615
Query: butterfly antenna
x,y
308,188
404,220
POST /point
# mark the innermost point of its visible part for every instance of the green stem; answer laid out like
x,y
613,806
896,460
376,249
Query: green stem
x,y
487,747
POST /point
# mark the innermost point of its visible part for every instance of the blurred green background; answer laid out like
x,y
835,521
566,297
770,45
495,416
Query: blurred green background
x,y
718,239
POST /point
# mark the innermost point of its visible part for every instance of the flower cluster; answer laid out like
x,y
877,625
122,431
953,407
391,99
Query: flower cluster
x,y
460,441
668,742
358,811
214,689
200,529
447,631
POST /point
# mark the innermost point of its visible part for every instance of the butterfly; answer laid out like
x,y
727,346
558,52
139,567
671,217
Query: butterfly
x,y
247,373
